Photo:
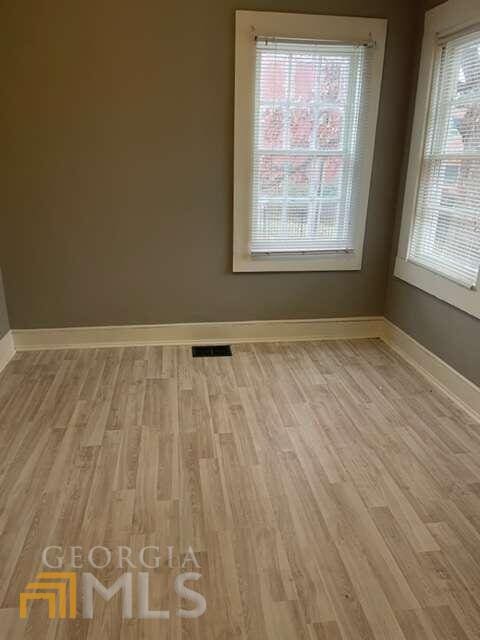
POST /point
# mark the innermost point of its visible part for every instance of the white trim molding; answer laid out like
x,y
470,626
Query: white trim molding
x,y
297,26
198,333
437,285
458,388
7,349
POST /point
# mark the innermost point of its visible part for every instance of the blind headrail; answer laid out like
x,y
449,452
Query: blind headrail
x,y
303,252
281,40
445,36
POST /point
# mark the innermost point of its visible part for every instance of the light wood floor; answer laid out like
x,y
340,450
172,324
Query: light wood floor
x,y
326,489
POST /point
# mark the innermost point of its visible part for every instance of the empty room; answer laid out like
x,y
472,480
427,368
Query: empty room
x,y
240,320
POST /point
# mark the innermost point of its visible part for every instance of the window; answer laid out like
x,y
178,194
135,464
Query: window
x,y
307,91
439,250
446,229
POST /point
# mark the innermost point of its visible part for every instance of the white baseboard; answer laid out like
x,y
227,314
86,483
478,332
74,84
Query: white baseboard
x,y
437,371
198,333
7,349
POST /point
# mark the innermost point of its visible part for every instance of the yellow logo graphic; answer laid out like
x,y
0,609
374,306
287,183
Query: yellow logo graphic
x,y
53,592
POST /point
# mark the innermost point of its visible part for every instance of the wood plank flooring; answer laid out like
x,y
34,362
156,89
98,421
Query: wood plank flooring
x,y
327,490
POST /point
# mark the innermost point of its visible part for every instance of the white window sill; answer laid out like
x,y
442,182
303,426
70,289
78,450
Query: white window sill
x,y
455,294
326,262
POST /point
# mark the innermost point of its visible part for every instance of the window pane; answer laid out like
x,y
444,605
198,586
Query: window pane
x,y
301,127
272,175
302,173
274,77
297,219
329,133
446,235
271,128
334,79
271,218
463,134
332,172
467,76
305,72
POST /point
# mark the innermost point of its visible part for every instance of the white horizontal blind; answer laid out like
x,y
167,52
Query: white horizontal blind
x,y
309,101
446,231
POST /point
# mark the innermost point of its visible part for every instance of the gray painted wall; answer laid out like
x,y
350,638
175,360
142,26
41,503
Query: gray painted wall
x,y
116,174
4,325
117,166
450,333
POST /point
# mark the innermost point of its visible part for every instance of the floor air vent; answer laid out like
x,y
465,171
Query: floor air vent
x,y
213,351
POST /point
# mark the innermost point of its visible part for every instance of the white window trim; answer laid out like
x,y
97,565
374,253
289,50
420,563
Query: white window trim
x,y
294,25
448,17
